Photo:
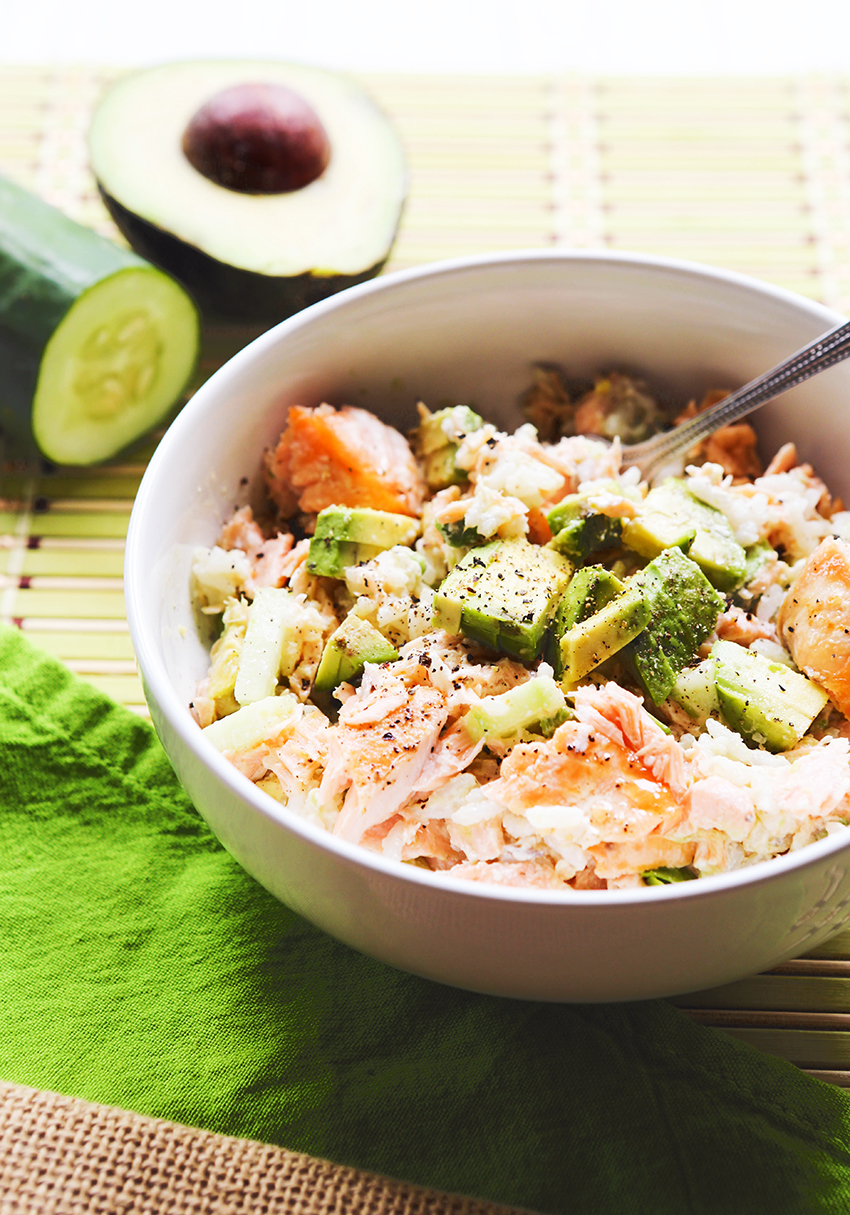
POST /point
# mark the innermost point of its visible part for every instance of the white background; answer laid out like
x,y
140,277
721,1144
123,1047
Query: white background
x,y
670,37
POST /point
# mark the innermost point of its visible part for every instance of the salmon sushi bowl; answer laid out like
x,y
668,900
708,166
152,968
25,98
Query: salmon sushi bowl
x,y
422,650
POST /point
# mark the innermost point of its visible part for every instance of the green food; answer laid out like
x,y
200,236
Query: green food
x,y
696,691
96,345
458,535
605,633
763,700
664,876
502,716
437,450
671,516
274,613
258,209
347,651
578,530
347,536
590,588
503,595
683,612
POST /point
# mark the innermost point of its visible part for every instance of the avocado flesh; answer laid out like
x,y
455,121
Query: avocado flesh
x,y
684,607
347,651
248,256
437,452
589,642
673,517
503,595
590,589
578,531
765,701
348,536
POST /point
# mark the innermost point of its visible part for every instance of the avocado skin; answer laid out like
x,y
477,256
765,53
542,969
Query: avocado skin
x,y
225,292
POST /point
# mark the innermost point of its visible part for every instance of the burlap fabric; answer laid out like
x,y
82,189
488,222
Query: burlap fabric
x,y
61,1156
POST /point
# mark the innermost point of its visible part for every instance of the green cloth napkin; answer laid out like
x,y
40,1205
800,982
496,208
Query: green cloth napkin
x,y
141,967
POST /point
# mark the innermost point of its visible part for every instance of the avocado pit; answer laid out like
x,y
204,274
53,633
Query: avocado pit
x,y
257,139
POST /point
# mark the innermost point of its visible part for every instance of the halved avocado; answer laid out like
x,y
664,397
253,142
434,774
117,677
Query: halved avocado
x,y
249,249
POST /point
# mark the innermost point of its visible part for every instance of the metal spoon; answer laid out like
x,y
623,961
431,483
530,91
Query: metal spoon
x,y
823,352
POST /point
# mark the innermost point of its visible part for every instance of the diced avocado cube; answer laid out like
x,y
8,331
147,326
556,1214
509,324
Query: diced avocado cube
x,y
665,876
347,651
503,595
673,517
437,450
684,607
526,705
349,535
696,692
273,613
606,632
765,701
578,530
589,590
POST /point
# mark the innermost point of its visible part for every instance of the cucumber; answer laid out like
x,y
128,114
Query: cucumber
x,y
96,345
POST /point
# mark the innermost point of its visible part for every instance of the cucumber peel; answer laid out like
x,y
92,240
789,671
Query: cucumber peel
x,y
96,345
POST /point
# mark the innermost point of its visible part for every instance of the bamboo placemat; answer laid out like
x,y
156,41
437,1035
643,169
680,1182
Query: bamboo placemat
x,y
752,175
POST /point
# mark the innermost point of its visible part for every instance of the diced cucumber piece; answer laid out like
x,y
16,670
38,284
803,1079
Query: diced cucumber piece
x,y
250,725
540,699
273,614
696,691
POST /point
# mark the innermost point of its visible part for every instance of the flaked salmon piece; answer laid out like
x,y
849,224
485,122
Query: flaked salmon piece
x,y
744,627
342,457
618,859
579,768
453,753
380,762
298,763
268,556
620,716
241,531
481,841
539,873
715,804
432,842
734,447
814,620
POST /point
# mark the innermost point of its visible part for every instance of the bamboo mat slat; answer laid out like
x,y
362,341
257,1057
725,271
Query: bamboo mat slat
x,y
751,175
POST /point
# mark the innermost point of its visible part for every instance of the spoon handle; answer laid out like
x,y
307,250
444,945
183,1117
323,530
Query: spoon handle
x,y
823,352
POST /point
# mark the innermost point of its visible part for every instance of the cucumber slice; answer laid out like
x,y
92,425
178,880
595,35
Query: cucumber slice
x,y
96,345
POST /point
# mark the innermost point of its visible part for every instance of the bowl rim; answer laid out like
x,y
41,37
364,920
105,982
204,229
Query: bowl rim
x,y
157,684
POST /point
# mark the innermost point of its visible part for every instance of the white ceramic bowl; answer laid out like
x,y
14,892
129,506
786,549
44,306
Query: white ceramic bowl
x,y
468,331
